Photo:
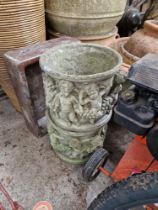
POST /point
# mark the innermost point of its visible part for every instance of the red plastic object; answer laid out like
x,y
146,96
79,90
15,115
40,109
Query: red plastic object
x,y
43,205
136,159
151,207
14,205
104,171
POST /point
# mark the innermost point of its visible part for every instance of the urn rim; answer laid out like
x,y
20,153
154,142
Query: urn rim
x,y
80,78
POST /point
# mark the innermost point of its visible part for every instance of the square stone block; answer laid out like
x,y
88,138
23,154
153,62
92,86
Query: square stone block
x,y
26,75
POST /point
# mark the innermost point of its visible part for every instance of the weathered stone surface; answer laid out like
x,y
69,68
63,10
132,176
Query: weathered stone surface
x,y
84,17
80,88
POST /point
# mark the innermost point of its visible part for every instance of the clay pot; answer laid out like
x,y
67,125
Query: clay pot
x,y
80,94
142,42
84,18
117,45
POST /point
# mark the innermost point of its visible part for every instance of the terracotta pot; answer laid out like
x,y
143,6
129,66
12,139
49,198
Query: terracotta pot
x,y
117,45
79,81
84,18
143,41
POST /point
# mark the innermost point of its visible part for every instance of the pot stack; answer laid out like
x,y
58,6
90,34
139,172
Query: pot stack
x,y
88,20
22,23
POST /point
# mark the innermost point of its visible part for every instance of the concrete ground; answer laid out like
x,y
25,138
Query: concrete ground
x,y
31,172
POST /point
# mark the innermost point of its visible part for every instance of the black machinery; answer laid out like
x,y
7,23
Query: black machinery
x,y
137,107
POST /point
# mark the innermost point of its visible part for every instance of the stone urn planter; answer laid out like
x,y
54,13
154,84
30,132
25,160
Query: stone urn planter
x,y
84,18
142,42
80,94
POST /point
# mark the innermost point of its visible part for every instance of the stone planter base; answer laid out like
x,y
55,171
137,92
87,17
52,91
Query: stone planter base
x,y
76,147
72,161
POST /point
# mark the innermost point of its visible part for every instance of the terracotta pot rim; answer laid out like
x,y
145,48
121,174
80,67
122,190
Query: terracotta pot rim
x,y
127,54
152,26
119,41
120,45
153,23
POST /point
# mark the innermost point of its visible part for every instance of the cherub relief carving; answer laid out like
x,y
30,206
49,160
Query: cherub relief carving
x,y
76,104
91,98
65,103
110,100
76,147
50,89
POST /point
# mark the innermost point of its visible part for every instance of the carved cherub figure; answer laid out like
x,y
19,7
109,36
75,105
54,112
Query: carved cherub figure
x,y
65,104
91,96
50,89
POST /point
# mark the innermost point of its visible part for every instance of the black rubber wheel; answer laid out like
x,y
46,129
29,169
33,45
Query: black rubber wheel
x,y
91,169
152,141
133,192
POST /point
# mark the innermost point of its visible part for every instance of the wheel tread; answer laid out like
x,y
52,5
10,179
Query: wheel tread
x,y
143,182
